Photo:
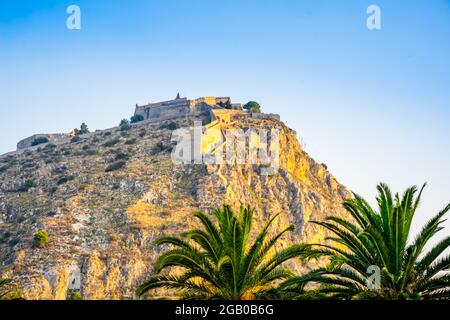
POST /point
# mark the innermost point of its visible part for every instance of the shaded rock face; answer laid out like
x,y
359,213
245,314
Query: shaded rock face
x,y
102,225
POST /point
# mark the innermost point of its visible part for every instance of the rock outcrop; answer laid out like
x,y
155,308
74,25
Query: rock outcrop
x,y
102,224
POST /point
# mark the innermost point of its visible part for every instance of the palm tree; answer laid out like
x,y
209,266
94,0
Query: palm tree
x,y
4,282
220,262
378,241
4,291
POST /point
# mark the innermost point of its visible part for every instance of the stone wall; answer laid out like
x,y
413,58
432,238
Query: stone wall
x,y
55,138
269,116
171,109
166,113
164,110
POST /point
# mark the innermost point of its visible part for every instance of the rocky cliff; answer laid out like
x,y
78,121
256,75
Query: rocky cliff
x,y
104,200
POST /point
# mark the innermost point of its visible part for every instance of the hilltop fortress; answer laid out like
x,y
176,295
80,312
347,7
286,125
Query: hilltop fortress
x,y
213,110
179,107
102,197
215,107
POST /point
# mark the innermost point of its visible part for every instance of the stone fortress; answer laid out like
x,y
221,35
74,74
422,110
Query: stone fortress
x,y
179,107
215,110
214,107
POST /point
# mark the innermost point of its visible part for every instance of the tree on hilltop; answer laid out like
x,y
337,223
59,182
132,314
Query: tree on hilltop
x,y
137,118
84,128
253,106
124,125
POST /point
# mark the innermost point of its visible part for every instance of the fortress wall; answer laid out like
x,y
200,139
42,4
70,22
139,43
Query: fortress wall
x,y
226,115
175,103
175,108
27,142
140,111
55,138
200,108
166,113
163,112
212,137
208,100
269,116
212,115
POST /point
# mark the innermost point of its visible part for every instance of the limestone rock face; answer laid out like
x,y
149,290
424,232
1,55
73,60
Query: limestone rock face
x,y
102,225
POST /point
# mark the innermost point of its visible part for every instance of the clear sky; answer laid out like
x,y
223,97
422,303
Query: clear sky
x,y
374,105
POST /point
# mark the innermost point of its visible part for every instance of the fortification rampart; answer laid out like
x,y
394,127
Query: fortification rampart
x,y
269,116
214,112
51,137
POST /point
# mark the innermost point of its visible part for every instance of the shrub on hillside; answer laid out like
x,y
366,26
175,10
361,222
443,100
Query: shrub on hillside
x,y
124,125
83,129
50,146
124,134
160,147
39,140
121,156
90,152
115,166
65,179
131,141
76,295
171,126
136,118
30,183
112,142
75,139
40,239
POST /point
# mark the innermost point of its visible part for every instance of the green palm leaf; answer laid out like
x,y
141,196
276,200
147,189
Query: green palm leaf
x,y
378,238
218,260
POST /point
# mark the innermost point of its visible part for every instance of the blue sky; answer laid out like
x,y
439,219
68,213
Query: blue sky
x,y
374,105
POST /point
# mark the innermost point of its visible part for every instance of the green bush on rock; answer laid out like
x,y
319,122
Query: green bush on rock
x,y
40,239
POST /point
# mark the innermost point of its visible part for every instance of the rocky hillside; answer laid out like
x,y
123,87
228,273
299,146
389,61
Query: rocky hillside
x,y
104,199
